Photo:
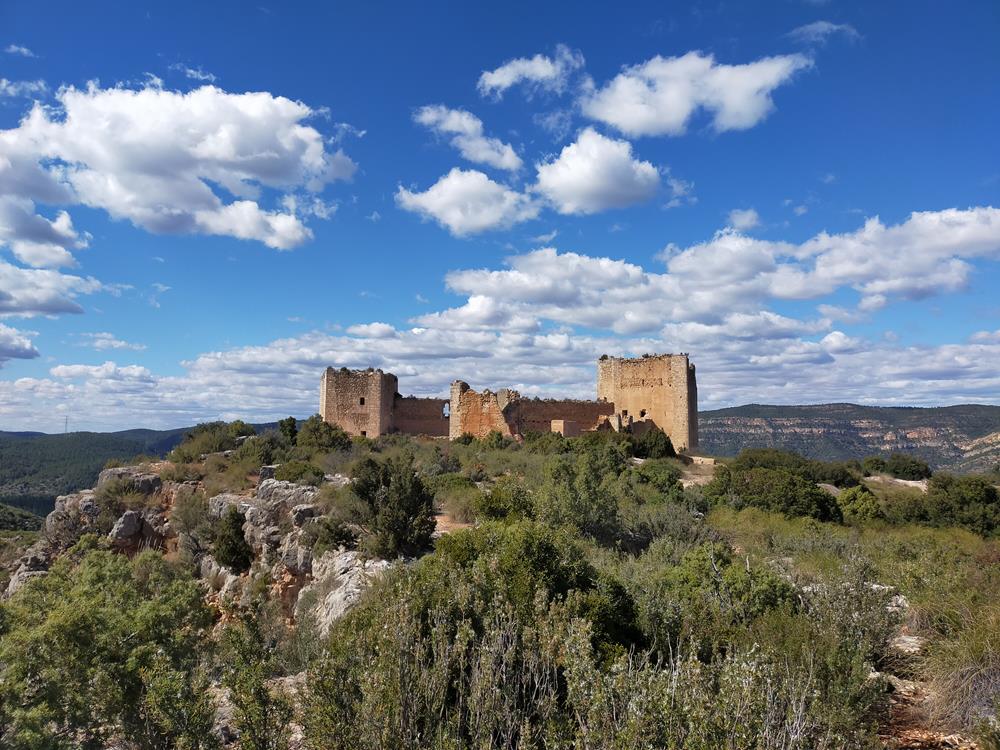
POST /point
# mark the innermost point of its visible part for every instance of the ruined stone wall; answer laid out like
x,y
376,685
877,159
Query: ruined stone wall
x,y
478,414
661,390
420,416
359,401
536,415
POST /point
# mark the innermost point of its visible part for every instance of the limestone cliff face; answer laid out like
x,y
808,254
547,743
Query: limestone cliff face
x,y
956,438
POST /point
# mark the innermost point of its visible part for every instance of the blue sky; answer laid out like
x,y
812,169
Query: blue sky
x,y
203,205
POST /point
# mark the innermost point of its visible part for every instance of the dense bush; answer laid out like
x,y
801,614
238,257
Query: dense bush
x,y
859,504
231,548
571,495
401,509
507,636
902,466
104,650
653,443
317,435
838,473
775,490
506,499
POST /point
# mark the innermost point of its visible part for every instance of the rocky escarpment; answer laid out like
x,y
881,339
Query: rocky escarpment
x,y
278,515
957,438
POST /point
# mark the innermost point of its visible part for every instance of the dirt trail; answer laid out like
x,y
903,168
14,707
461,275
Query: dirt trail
x,y
910,726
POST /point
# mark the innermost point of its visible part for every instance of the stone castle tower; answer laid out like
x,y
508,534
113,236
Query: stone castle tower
x,y
658,390
360,401
633,394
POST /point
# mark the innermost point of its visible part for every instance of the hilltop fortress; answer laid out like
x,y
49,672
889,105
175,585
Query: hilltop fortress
x,y
632,394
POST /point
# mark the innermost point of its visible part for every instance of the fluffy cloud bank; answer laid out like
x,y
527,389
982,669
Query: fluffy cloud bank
x,y
661,95
594,173
152,156
155,158
539,324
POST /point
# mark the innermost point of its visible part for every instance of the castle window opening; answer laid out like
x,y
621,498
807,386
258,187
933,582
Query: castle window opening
x,y
446,410
642,413
624,412
364,433
362,401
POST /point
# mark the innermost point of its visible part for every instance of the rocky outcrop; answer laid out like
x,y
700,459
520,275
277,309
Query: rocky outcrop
x,y
74,515
33,563
339,580
139,480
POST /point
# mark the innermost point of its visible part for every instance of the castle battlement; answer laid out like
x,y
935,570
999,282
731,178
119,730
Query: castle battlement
x,y
632,393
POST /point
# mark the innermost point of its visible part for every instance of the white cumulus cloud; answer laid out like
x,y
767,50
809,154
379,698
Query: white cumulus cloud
x,y
660,96
596,173
466,132
467,202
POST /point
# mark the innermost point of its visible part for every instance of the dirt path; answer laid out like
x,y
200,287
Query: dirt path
x,y
910,726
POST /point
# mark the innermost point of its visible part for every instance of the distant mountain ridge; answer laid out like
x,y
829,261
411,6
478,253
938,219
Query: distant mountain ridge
x,y
963,438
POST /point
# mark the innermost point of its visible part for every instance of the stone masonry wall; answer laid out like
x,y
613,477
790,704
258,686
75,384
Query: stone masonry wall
x,y
360,401
658,389
536,415
478,414
420,416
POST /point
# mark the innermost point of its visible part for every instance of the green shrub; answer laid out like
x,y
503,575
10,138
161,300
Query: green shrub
x,y
317,435
507,499
261,712
400,506
662,475
653,443
327,533
231,548
772,489
288,428
859,504
572,495
209,437
494,441
903,466
90,651
873,465
300,472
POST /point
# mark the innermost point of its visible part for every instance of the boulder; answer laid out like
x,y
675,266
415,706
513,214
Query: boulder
x,y
339,580
218,505
33,563
288,493
302,513
74,515
267,472
337,480
127,531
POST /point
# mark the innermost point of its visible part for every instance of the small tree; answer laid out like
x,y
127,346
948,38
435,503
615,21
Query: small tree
x,y
231,548
320,436
289,429
401,506
262,714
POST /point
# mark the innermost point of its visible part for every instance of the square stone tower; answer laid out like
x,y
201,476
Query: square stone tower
x,y
359,401
659,390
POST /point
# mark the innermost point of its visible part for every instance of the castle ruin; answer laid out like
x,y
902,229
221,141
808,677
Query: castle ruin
x,y
632,394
